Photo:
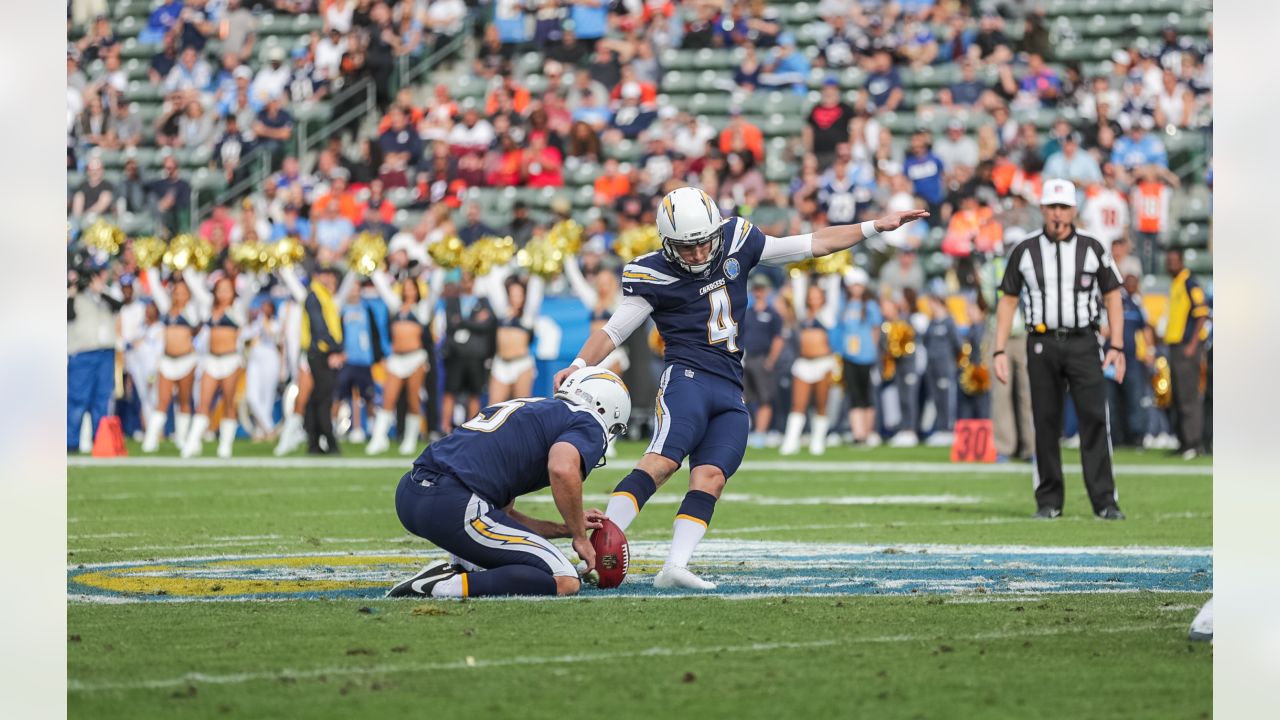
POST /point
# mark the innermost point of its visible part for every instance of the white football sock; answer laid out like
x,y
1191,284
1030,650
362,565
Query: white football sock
x,y
685,536
621,510
448,588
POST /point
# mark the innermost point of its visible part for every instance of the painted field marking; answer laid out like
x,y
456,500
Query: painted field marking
x,y
794,467
471,663
742,568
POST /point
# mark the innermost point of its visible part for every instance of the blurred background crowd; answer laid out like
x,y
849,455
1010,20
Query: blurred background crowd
x,y
419,121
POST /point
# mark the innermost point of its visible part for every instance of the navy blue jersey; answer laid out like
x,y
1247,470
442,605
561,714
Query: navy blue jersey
x,y
501,453
700,316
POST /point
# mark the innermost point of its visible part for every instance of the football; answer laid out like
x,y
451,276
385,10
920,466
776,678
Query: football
x,y
612,554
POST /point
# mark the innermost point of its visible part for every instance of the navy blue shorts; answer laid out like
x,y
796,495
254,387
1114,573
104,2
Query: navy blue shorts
x,y
444,511
702,417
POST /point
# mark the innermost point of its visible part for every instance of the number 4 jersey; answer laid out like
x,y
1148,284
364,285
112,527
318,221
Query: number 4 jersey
x,y
700,316
501,453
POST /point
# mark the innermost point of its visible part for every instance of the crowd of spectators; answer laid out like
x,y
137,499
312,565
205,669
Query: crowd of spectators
x,y
600,86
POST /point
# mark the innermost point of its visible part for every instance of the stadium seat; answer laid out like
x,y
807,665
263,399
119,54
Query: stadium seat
x,y
131,48
1197,205
1198,262
1193,235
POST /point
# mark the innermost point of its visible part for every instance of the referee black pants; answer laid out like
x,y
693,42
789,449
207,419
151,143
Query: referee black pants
x,y
1055,364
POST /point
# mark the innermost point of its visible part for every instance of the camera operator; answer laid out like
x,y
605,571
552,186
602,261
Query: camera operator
x,y
91,345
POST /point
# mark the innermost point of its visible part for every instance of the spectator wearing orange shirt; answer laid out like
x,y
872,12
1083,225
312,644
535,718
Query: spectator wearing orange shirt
x,y
1150,200
972,228
518,93
741,136
345,200
612,184
504,163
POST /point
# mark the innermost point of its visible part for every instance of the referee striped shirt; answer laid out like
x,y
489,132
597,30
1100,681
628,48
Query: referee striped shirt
x,y
1060,284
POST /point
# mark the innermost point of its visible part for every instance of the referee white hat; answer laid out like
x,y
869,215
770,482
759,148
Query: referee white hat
x,y
1058,192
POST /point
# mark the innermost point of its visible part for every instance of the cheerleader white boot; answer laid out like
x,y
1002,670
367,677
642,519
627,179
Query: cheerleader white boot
x,y
226,436
155,428
409,443
818,440
193,446
378,442
791,439
290,434
181,426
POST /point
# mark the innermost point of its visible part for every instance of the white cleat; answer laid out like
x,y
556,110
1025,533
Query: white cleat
x,y
941,439
1202,626
671,578
874,441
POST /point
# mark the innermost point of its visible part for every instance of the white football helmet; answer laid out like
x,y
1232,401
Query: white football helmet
x,y
688,216
603,392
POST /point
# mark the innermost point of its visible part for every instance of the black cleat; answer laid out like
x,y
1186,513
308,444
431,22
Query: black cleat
x,y
1110,513
1048,513
420,585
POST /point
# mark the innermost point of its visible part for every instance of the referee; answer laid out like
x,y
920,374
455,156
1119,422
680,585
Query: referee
x,y
1062,279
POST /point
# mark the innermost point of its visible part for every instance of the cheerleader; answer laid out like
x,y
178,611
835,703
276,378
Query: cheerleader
x,y
601,299
144,345
263,369
220,368
291,433
811,371
411,309
516,304
181,315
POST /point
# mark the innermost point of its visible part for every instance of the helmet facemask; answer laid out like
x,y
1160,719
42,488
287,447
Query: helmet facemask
x,y
670,250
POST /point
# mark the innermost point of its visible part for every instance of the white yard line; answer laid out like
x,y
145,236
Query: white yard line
x,y
474,663
794,467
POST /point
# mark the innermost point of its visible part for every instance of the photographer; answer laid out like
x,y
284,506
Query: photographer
x,y
91,345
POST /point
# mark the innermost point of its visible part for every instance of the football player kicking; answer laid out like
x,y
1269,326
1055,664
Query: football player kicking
x,y
461,491
695,289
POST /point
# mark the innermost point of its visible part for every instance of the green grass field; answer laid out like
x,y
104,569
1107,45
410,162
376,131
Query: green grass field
x,y
878,583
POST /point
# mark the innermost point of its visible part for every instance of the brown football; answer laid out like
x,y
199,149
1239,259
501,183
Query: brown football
x,y
612,554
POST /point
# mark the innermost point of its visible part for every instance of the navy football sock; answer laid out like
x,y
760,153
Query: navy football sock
x,y
508,580
629,498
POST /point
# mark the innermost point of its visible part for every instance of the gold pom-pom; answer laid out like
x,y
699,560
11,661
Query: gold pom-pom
x,y
367,252
834,264
446,252
487,253
1162,383
975,379
287,251
541,258
104,236
656,343
801,269
901,338
566,236
149,251
249,256
187,250
637,241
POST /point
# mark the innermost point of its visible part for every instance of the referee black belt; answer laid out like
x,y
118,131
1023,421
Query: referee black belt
x,y
1061,333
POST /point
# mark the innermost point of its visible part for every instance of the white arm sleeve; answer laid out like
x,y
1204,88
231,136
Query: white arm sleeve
x,y
789,249
630,315
800,296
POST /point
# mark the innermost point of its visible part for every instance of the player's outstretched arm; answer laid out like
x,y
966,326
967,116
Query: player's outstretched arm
x,y
842,237
564,467
629,316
